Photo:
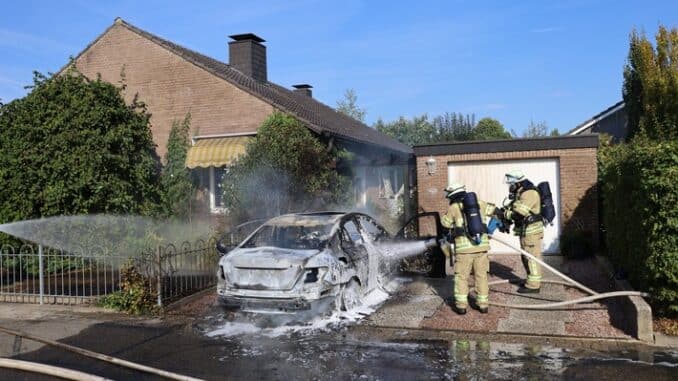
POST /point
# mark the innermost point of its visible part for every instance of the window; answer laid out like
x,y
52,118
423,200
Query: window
x,y
350,233
374,231
217,177
391,181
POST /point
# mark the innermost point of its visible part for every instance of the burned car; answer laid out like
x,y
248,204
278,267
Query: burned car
x,y
302,262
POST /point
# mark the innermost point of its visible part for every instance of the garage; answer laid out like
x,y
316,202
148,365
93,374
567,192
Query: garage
x,y
568,163
486,178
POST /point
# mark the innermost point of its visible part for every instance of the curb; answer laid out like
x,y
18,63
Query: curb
x,y
633,306
188,299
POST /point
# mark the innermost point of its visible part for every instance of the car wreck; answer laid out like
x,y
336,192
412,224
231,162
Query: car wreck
x,y
304,263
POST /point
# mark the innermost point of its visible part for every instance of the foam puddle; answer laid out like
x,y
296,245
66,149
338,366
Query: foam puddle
x,y
338,319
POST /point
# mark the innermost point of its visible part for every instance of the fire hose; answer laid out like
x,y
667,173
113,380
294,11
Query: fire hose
x,y
100,356
568,282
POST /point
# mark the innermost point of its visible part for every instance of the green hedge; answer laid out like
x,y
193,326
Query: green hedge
x,y
639,183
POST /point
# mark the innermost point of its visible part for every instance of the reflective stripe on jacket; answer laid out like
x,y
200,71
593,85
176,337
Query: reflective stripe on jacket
x,y
527,203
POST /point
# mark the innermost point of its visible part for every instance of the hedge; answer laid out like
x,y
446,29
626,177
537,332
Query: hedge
x,y
639,183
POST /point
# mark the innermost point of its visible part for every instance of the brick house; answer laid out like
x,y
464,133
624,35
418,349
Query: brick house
x,y
568,163
612,121
228,103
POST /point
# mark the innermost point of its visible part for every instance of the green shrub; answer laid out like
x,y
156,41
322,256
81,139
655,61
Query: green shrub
x,y
135,295
640,216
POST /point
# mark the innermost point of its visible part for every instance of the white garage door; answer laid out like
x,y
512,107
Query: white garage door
x,y
486,178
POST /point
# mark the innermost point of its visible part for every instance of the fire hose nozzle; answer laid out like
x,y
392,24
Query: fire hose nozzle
x,y
431,243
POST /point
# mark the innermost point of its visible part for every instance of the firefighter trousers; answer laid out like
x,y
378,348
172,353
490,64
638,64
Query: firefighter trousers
x,y
463,264
532,244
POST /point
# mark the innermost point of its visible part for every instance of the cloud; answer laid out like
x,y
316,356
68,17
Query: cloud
x,y
548,29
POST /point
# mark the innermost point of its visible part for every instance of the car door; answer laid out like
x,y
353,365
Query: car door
x,y
353,245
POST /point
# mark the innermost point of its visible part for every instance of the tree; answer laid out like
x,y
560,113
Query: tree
x,y
72,146
650,87
349,106
177,188
488,128
554,132
285,169
417,130
453,127
535,130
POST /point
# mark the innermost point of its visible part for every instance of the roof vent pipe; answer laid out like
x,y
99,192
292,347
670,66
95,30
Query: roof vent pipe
x,y
303,89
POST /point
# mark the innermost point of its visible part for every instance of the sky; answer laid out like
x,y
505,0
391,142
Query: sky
x,y
559,62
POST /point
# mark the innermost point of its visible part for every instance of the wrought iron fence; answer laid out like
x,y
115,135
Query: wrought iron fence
x,y
185,269
36,274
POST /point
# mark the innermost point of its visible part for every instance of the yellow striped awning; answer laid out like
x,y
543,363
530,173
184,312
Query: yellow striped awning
x,y
216,152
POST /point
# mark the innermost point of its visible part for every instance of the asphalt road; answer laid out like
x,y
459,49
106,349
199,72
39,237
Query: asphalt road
x,y
335,354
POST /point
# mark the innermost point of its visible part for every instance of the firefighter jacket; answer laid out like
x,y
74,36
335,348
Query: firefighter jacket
x,y
525,212
454,220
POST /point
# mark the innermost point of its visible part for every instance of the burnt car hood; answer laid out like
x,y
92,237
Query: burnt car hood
x,y
265,268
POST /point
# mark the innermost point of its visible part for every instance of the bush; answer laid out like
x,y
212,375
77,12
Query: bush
x,y
72,146
135,295
640,198
285,169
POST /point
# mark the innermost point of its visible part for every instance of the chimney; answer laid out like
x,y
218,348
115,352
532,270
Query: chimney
x,y
247,54
304,89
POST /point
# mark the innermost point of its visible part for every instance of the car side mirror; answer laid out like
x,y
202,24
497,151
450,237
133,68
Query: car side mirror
x,y
223,247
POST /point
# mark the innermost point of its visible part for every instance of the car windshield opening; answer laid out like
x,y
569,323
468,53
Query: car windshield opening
x,y
297,237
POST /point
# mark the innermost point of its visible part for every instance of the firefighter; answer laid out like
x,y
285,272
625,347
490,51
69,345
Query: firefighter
x,y
466,218
524,209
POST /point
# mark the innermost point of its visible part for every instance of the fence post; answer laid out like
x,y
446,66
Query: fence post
x,y
159,274
41,273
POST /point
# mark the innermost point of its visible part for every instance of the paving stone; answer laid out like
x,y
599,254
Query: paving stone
x,y
531,326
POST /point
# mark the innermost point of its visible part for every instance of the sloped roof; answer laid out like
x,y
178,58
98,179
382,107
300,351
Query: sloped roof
x,y
316,115
596,118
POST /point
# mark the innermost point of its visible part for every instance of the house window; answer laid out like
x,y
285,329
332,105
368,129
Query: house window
x,y
217,177
391,181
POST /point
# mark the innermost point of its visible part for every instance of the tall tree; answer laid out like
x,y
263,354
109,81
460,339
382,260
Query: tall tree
x,y
535,130
177,188
417,130
488,128
454,127
651,85
285,169
72,146
349,106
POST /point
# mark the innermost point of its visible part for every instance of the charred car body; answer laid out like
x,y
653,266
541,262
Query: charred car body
x,y
302,262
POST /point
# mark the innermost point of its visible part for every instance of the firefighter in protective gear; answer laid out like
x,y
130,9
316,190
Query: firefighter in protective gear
x,y
468,254
524,210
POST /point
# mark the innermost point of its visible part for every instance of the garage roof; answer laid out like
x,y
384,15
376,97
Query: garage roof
x,y
508,145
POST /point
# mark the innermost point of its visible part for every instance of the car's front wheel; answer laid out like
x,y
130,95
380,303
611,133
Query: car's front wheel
x,y
350,295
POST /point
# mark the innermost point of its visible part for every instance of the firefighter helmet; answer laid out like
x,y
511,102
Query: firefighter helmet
x,y
514,176
454,188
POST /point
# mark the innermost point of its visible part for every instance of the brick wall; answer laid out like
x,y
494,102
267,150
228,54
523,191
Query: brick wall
x,y
171,87
578,177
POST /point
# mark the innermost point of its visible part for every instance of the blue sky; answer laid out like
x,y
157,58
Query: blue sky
x,y
559,62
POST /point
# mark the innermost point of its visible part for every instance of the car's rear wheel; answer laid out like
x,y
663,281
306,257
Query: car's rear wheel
x,y
350,295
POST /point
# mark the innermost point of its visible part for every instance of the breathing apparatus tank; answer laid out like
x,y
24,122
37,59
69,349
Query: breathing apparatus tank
x,y
474,221
548,211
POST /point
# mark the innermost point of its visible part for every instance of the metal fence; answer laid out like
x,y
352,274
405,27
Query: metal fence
x,y
186,269
36,274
